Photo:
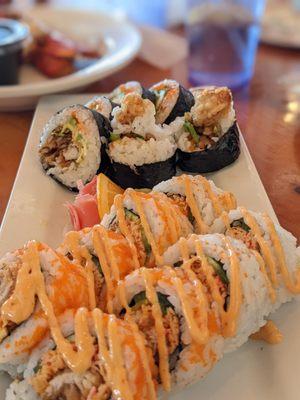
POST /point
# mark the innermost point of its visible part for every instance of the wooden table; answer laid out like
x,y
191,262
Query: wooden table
x,y
271,131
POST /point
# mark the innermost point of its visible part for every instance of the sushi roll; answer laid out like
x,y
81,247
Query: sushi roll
x,y
172,101
150,222
276,246
102,105
209,139
119,365
70,147
141,152
198,198
67,285
172,315
238,287
107,252
118,94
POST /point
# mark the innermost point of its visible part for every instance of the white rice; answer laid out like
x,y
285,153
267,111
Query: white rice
x,y
88,166
21,390
175,185
144,125
101,104
135,152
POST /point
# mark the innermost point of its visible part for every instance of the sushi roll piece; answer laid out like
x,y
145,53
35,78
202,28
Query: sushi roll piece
x,y
276,246
198,198
118,94
102,105
68,288
172,315
209,139
236,282
172,101
118,364
141,152
109,255
70,147
149,221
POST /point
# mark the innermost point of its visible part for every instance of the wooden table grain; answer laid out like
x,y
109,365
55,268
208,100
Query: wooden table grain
x,y
270,128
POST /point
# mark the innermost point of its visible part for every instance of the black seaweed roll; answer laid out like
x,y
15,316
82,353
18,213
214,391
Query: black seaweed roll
x,y
71,142
141,152
209,139
120,92
172,100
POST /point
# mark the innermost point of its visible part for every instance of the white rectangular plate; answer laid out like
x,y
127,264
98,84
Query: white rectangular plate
x,y
35,211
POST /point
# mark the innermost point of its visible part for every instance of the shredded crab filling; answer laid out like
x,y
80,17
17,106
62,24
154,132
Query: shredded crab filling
x,y
219,275
241,231
143,316
54,380
65,145
181,202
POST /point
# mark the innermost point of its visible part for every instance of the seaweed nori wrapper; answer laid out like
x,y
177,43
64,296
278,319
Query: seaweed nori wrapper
x,y
184,103
147,94
104,128
224,152
143,176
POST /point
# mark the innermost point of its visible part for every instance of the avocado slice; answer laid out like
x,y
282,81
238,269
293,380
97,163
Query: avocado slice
x,y
140,298
146,244
114,136
69,125
188,127
134,217
97,263
240,223
218,268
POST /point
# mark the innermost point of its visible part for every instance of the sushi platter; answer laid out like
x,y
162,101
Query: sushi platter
x,y
166,255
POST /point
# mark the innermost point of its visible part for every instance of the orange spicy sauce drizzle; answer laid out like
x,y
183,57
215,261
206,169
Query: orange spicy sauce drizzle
x,y
118,203
79,358
72,240
160,330
229,317
203,228
218,206
19,307
269,333
268,257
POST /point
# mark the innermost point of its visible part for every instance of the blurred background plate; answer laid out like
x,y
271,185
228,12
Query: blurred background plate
x,y
281,24
121,39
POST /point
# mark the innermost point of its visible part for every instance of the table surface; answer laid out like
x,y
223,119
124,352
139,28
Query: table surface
x,y
269,126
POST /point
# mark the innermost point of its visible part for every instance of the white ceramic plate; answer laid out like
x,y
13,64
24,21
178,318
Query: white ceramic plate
x,y
254,372
121,39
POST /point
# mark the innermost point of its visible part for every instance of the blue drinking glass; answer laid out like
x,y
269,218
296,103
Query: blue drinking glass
x,y
223,36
